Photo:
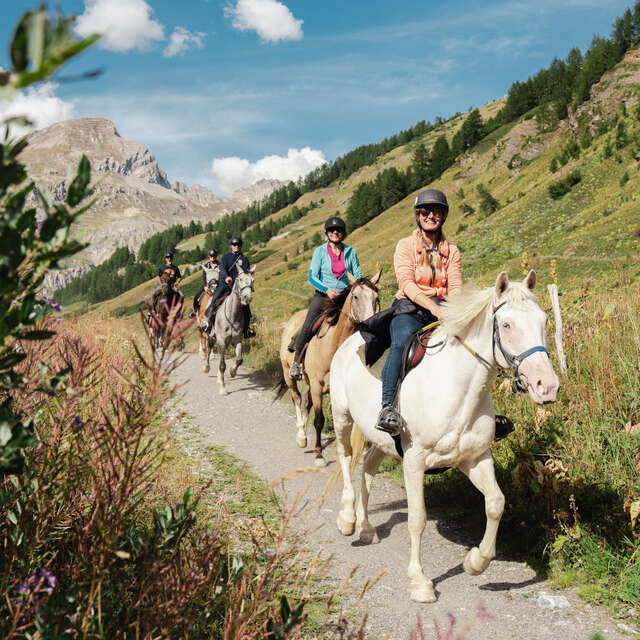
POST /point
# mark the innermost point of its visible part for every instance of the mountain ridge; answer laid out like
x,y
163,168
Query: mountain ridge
x,y
134,195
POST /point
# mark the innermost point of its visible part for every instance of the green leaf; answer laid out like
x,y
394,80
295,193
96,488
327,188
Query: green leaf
x,y
12,517
36,36
78,187
19,44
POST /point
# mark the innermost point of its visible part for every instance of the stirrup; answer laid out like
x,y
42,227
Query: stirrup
x,y
250,333
389,420
504,427
295,372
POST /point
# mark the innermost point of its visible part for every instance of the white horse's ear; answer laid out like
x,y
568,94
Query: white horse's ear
x,y
502,283
252,269
530,280
352,280
375,278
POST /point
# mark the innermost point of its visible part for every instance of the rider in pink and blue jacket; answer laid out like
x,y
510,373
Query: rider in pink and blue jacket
x,y
328,276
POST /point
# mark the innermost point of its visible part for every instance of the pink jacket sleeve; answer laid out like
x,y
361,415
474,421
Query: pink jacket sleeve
x,y
454,271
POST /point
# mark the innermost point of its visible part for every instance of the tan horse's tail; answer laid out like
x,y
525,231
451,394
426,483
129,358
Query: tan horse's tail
x,y
280,388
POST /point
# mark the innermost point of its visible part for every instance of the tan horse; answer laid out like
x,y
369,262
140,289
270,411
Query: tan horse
x,y
355,304
206,340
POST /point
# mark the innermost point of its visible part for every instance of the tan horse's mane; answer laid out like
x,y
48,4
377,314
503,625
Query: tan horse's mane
x,y
460,311
333,307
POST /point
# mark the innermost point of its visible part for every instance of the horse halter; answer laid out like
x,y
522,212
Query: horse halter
x,y
240,288
512,361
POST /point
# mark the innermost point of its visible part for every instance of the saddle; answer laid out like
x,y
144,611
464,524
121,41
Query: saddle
x,y
314,330
412,355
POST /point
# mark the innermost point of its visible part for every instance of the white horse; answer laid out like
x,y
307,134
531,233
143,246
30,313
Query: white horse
x,y
447,409
228,326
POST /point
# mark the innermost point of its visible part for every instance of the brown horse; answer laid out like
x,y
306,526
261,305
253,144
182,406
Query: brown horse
x,y
164,310
355,304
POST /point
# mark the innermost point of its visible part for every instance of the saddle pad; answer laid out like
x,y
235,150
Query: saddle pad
x,y
376,369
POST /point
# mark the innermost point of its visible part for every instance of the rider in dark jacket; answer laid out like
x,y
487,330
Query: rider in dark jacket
x,y
229,264
171,272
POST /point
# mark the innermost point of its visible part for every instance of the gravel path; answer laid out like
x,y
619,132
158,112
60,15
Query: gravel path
x,y
522,606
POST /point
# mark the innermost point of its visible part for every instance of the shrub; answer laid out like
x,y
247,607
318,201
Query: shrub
x,y
553,166
488,204
559,188
624,179
467,209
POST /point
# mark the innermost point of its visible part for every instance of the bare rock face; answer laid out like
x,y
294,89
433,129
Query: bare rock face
x,y
134,198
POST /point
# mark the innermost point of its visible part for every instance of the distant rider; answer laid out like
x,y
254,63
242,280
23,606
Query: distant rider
x,y
229,264
171,274
210,279
328,276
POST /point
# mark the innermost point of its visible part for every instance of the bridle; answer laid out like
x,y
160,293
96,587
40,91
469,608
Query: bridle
x,y
512,370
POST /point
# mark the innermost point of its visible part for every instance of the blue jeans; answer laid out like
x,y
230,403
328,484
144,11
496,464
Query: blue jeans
x,y
403,326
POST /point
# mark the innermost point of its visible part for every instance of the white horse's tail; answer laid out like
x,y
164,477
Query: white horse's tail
x,y
358,444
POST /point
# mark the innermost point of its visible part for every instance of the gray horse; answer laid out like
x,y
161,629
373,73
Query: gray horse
x,y
228,327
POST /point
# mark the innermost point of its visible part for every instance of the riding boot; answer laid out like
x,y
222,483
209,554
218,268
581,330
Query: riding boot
x,y
247,332
389,420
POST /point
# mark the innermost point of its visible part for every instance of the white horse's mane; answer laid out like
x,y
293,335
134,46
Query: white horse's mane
x,y
460,311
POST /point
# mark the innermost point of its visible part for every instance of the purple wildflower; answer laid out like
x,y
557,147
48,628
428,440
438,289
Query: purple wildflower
x,y
40,583
54,304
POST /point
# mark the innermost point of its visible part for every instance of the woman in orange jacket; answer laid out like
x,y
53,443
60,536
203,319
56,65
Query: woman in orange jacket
x,y
427,268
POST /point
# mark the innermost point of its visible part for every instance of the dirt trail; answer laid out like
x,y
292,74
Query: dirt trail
x,y
250,427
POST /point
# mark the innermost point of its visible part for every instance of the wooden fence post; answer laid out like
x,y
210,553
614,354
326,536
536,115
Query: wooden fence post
x,y
555,303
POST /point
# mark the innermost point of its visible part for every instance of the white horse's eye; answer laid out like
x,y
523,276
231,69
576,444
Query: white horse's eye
x,y
506,325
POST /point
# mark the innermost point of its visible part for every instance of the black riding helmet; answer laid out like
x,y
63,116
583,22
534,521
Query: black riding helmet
x,y
431,196
236,240
169,254
335,223
213,253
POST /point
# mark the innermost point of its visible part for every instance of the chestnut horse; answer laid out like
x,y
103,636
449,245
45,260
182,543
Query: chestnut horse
x,y
355,303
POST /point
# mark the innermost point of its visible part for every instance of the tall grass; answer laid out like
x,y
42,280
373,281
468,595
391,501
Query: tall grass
x,y
89,549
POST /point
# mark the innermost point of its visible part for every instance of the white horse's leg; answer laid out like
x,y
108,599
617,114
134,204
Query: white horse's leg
x,y
342,423
221,368
207,352
413,466
482,474
370,465
238,361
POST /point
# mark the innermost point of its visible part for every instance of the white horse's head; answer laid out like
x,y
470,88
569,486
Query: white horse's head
x,y
520,339
244,285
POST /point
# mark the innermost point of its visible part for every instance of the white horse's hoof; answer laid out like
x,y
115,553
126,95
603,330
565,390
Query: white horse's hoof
x,y
302,441
224,392
474,564
369,536
344,526
320,462
206,368
423,593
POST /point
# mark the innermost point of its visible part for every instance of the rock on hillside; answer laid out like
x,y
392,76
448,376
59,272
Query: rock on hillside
x,y
134,196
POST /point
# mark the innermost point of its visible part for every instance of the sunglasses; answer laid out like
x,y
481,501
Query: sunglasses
x,y
425,213
234,244
334,230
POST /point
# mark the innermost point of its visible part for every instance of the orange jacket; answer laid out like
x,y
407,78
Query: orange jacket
x,y
412,265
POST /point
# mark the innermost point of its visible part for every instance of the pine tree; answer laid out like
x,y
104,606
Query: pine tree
x,y
420,167
441,157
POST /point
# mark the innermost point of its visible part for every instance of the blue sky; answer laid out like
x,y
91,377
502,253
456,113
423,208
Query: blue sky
x,y
226,92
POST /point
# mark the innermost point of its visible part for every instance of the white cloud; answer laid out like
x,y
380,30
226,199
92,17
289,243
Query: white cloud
x,y
271,20
181,40
232,173
38,104
125,24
